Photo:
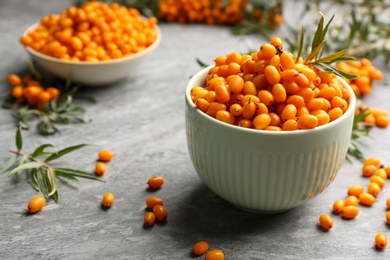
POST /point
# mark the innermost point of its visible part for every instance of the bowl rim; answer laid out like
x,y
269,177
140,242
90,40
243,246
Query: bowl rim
x,y
351,110
88,63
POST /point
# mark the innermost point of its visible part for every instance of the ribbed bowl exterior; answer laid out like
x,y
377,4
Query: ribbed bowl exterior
x,y
263,171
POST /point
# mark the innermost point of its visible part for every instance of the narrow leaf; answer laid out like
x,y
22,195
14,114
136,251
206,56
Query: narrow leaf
x,y
40,150
55,196
331,57
26,166
314,52
64,151
53,181
300,42
326,29
77,173
327,68
317,36
40,178
8,164
19,140
67,176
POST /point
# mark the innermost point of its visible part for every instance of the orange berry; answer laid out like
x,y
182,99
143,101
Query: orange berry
x,y
36,204
388,217
54,92
215,254
374,189
14,79
155,182
369,170
355,190
381,240
326,221
160,212
351,201
149,219
153,201
17,92
372,161
200,248
338,206
367,199
350,212
378,180
108,199
100,168
105,155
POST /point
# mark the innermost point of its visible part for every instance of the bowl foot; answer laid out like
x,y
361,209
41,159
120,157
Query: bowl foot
x,y
261,212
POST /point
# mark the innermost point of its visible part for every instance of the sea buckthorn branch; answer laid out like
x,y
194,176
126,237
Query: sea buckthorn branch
x,y
40,174
49,100
362,28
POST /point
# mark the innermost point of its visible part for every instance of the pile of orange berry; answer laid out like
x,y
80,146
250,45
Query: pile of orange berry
x,y
270,90
357,194
374,116
93,32
367,74
212,12
30,90
155,205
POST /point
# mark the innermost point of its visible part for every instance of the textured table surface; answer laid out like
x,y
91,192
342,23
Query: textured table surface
x,y
141,119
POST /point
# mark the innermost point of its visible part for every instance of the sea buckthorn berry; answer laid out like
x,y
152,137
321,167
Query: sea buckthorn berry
x,y
367,199
200,248
351,201
155,182
374,189
338,206
381,240
308,121
225,116
388,203
388,217
350,212
266,97
149,219
108,199
249,88
369,170
267,51
289,112
17,92
276,41
372,161
153,201
215,254
381,172
378,180
14,79
261,121
246,123
287,61
355,190
100,168
290,125
382,121
235,84
36,204
105,155
326,221
279,93
202,104
54,92
222,93
160,212
272,74
236,109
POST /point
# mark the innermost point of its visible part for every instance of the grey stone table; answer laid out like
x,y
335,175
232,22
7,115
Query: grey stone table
x,y
141,119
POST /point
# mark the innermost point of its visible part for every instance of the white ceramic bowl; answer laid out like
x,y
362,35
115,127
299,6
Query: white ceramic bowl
x,y
90,73
265,171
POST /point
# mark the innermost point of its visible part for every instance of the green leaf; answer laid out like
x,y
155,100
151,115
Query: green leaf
x,y
51,176
33,179
300,42
331,57
26,166
201,63
55,196
317,35
77,173
314,52
8,164
40,150
18,139
64,151
41,181
67,176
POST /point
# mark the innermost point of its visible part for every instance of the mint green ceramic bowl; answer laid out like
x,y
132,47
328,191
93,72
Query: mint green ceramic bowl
x,y
265,171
